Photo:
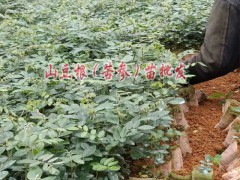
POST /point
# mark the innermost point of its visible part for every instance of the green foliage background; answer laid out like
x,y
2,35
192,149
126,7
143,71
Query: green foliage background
x,y
91,129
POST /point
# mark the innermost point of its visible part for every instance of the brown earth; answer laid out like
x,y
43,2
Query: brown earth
x,y
204,138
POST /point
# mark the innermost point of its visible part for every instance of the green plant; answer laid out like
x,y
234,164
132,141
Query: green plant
x,y
67,128
223,96
205,171
235,110
205,165
215,159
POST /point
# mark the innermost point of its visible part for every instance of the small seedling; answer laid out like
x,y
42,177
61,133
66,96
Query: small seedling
x,y
205,165
216,159
235,110
220,95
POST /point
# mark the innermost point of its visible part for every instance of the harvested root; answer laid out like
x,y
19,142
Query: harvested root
x,y
227,117
166,169
184,108
228,103
198,98
232,175
184,145
229,139
229,155
181,120
177,161
234,164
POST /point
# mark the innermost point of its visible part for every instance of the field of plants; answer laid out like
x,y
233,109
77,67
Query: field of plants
x,y
88,87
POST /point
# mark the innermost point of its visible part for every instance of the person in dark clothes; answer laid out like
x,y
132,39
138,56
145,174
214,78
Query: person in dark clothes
x,y
220,51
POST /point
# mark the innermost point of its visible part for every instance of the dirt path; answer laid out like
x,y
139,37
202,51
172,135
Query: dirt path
x,y
204,138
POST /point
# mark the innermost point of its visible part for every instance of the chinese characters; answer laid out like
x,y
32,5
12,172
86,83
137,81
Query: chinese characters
x,y
108,71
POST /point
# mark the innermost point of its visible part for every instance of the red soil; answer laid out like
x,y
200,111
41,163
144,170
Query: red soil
x,y
204,138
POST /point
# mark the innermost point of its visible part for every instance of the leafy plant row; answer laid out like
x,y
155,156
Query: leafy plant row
x,y
91,129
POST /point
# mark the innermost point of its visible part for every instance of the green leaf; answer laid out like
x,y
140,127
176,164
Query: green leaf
x,y
2,149
202,64
112,163
127,58
85,128
26,161
72,128
50,178
46,157
34,173
146,127
36,163
177,101
116,135
129,125
123,132
3,174
101,134
216,95
20,152
99,167
52,134
103,160
61,129
35,151
108,161
114,168
40,146
93,131
89,151
3,159
53,159
137,153
3,90
45,167
84,134
53,170
92,137
33,138
7,164
235,109
78,161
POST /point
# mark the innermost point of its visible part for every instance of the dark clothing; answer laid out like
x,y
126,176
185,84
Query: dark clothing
x,y
220,51
234,2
